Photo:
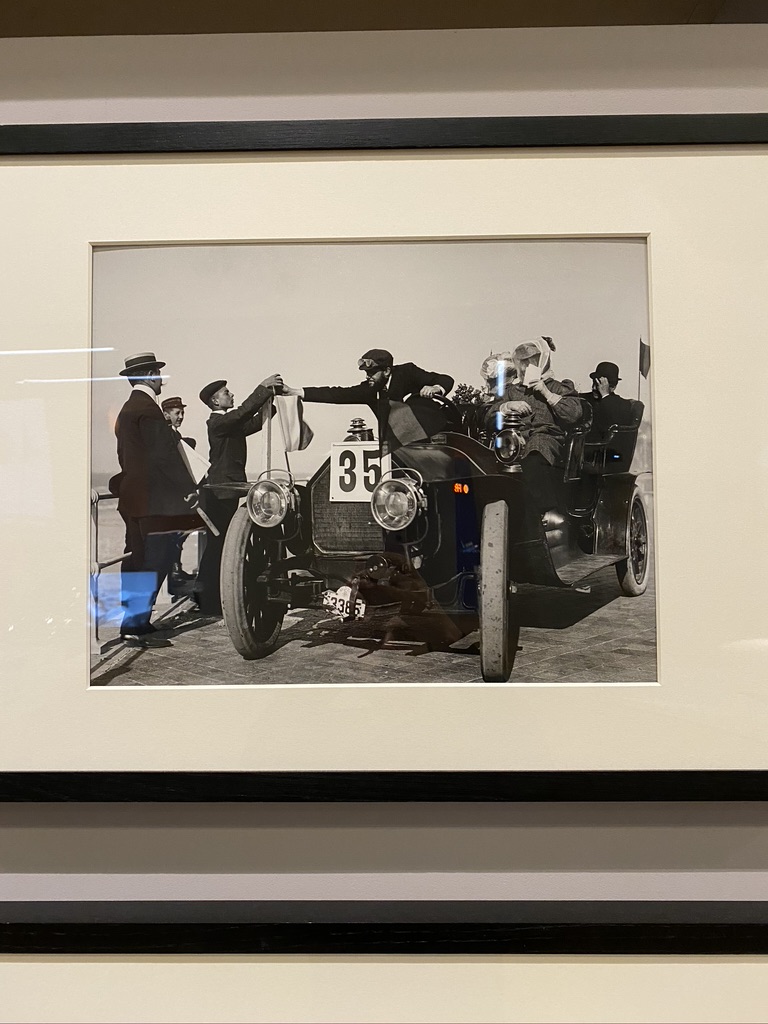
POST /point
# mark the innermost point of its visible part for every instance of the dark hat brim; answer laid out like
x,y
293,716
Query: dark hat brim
x,y
210,390
138,368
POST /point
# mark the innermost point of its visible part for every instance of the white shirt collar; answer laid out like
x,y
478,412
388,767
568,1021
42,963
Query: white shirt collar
x,y
218,412
147,391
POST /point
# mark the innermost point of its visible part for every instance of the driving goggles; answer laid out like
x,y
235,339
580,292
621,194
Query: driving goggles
x,y
369,366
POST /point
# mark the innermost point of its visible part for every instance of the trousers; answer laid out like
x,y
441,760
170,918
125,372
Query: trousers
x,y
220,511
151,546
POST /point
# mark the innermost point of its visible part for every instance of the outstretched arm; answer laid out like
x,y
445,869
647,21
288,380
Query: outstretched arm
x,y
233,421
358,394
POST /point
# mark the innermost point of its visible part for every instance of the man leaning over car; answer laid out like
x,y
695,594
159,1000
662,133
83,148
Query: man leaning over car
x,y
385,382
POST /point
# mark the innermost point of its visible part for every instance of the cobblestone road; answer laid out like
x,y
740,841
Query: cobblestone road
x,y
566,637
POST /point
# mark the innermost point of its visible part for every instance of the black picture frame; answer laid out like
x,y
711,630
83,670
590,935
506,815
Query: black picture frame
x,y
376,134
360,927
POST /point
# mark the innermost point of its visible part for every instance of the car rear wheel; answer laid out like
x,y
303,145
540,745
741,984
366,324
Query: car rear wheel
x,y
253,622
633,570
499,632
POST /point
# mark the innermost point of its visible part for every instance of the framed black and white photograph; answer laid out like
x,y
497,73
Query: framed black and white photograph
x,y
385,450
469,508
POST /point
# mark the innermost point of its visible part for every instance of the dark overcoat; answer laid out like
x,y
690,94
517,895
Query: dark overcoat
x,y
153,478
227,433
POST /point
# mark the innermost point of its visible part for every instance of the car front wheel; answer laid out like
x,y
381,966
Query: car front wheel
x,y
253,622
499,632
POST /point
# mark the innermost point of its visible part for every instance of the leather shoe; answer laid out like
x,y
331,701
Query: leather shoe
x,y
180,582
130,631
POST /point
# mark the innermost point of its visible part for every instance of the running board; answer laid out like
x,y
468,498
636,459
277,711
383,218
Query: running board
x,y
583,566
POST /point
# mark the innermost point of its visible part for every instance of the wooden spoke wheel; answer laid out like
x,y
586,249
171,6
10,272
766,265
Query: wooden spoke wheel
x,y
633,570
499,632
253,622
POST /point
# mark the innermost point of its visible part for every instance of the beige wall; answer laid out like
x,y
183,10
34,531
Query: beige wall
x,y
561,851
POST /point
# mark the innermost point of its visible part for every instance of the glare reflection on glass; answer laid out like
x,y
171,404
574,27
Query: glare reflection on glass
x,y
74,380
49,351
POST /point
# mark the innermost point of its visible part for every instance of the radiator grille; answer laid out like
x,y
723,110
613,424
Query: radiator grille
x,y
342,526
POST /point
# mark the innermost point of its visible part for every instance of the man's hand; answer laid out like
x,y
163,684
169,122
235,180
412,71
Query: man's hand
x,y
603,387
275,383
292,392
430,391
521,408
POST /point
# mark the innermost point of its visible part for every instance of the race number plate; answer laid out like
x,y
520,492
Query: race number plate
x,y
356,468
340,603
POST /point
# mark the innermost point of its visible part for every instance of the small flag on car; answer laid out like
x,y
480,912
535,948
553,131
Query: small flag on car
x,y
645,358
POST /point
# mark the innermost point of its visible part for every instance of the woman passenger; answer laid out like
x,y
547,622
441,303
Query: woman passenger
x,y
546,407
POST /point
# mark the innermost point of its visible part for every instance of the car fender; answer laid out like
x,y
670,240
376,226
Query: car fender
x,y
612,515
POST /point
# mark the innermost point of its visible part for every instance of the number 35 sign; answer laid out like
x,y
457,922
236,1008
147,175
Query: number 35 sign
x,y
356,468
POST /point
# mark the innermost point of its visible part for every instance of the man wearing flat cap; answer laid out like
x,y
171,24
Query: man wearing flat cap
x,y
155,492
173,410
228,428
179,581
608,408
385,382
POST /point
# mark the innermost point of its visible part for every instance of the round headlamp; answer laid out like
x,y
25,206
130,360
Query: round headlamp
x,y
507,446
269,502
395,502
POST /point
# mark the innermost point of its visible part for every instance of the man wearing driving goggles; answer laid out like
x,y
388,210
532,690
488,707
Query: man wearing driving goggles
x,y
383,378
387,382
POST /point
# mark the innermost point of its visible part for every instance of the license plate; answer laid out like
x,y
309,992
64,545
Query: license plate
x,y
339,602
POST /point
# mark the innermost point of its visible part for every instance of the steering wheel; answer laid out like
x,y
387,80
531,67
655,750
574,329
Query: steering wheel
x,y
450,411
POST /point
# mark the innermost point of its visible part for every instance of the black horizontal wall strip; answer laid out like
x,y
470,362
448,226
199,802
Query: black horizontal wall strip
x,y
377,133
371,927
407,787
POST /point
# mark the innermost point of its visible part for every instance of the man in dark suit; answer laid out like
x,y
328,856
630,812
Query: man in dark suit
x,y
228,428
155,492
385,382
608,408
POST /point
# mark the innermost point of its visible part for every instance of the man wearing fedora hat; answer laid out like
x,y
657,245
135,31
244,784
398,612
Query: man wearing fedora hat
x,y
608,408
155,492
228,430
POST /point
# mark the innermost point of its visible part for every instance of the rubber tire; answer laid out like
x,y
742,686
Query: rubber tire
x,y
252,636
632,583
498,632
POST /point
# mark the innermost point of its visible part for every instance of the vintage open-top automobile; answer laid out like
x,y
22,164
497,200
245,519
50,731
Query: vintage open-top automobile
x,y
442,525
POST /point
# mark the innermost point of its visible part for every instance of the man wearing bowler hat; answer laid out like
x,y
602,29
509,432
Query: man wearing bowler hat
x,y
228,428
155,492
608,408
